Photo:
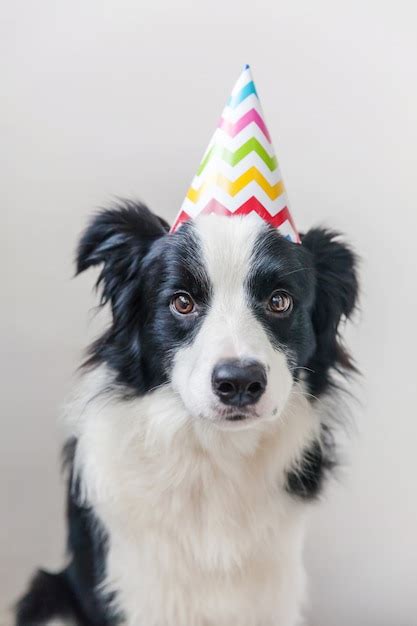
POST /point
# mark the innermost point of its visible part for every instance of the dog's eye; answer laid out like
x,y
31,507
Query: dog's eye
x,y
183,303
280,302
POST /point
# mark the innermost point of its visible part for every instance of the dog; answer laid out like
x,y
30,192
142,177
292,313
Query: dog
x,y
200,430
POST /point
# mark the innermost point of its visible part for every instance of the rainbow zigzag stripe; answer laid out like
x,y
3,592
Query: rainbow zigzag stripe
x,y
239,173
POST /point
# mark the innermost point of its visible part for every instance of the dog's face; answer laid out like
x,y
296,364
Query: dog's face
x,y
225,310
237,299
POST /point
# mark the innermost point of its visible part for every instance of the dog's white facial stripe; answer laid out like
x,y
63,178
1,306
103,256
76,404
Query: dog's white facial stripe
x,y
227,246
230,328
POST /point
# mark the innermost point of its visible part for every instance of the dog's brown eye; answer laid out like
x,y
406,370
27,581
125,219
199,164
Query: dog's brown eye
x,y
183,303
280,302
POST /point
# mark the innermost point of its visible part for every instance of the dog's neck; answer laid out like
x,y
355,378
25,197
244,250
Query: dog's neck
x,y
158,427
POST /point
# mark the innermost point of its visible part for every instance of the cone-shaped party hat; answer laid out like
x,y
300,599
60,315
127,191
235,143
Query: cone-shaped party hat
x,y
239,173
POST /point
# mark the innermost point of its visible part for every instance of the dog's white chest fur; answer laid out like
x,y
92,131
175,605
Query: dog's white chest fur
x,y
201,531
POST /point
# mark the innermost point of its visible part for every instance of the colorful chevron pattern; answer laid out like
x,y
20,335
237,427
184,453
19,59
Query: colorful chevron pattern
x,y
239,173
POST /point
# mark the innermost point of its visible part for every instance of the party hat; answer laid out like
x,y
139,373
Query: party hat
x,y
239,173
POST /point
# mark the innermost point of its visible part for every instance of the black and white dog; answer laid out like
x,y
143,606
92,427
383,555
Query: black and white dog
x,y
198,436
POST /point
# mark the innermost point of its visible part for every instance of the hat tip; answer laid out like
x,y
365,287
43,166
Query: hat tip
x,y
246,66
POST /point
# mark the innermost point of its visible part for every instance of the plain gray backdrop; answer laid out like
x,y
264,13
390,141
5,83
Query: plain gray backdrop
x,y
104,98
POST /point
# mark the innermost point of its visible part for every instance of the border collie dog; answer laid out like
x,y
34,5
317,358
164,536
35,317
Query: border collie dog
x,y
198,438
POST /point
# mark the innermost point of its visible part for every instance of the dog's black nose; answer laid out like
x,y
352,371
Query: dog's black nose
x,y
239,383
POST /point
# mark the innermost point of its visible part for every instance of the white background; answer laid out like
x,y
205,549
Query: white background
x,y
104,97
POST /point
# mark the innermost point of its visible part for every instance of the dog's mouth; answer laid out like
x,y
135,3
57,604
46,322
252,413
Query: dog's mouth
x,y
232,417
236,420
236,417
240,415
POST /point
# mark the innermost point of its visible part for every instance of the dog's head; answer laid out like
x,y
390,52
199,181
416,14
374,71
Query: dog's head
x,y
226,310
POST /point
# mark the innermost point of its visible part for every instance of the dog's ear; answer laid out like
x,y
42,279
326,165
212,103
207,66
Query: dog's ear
x,y
336,297
118,239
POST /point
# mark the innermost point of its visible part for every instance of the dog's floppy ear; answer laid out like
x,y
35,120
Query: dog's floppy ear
x,y
336,296
118,239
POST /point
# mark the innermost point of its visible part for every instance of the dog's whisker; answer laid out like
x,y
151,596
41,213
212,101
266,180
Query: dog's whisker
x,y
307,369
295,271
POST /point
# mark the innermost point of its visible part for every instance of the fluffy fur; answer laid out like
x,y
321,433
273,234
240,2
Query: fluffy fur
x,y
182,509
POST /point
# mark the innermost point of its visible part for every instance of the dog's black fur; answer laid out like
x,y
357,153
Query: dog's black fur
x,y
129,243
